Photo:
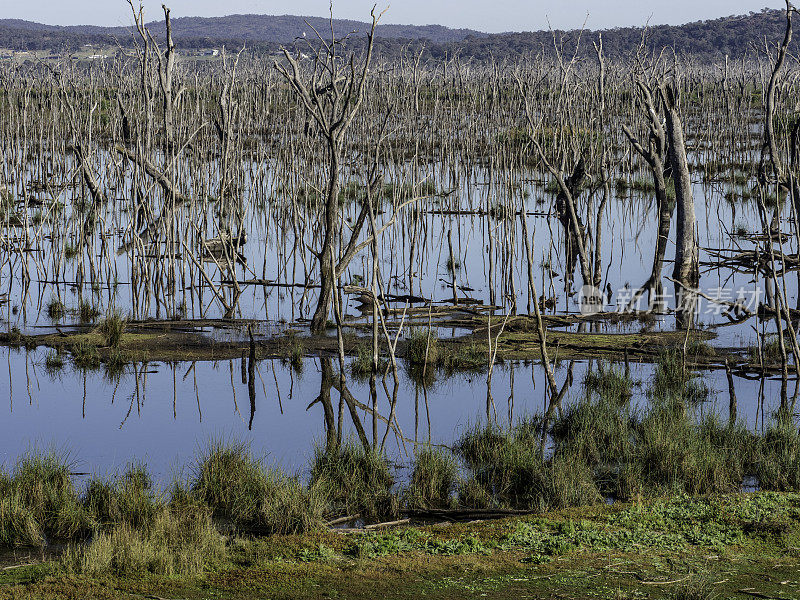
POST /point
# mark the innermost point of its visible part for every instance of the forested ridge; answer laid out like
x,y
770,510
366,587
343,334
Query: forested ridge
x,y
734,36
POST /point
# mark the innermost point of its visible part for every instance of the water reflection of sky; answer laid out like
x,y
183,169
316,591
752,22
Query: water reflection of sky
x,y
175,409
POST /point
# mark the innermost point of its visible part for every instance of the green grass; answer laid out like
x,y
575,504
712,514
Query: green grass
x,y
354,480
39,499
609,382
434,479
112,328
361,366
422,347
675,453
180,541
115,363
673,381
599,433
778,465
293,351
55,309
53,362
463,358
127,500
85,355
241,490
87,312
770,350
509,470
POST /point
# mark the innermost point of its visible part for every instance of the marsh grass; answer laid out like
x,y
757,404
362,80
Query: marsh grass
x,y
361,365
55,309
85,355
699,348
778,465
609,382
87,312
114,365
434,479
509,467
14,337
180,541
40,491
695,588
240,489
770,350
127,500
112,328
463,358
354,480
597,446
673,381
422,347
53,362
675,453
425,356
293,351
18,525
601,444
600,434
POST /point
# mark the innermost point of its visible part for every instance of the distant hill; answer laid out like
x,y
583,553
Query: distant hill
x,y
706,40
284,29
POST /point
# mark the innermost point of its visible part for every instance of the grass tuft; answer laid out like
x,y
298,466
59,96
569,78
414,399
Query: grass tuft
x,y
354,480
434,480
112,328
181,541
238,488
128,500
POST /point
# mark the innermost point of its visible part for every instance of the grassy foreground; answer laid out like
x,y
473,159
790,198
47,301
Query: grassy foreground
x,y
233,526
727,546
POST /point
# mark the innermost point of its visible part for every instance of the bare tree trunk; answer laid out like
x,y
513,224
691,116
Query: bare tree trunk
x,y
327,273
655,155
333,107
687,268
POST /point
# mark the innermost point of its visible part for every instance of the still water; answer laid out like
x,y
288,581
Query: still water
x,y
163,414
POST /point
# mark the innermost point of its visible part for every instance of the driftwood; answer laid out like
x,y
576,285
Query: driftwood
x,y
341,520
465,514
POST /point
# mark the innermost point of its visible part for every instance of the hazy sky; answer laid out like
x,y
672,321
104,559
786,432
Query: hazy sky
x,y
491,15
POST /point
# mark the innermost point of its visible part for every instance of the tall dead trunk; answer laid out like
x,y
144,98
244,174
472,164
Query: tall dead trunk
x,y
166,70
687,269
327,274
574,229
656,155
331,96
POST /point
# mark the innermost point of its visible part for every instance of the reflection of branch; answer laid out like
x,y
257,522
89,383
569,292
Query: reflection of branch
x,y
170,192
736,306
206,277
351,405
555,402
324,398
354,250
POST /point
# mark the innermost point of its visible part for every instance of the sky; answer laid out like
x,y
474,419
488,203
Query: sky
x,y
492,16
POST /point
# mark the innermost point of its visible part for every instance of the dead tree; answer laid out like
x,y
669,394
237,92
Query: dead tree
x,y
656,157
687,267
568,189
771,167
166,68
331,93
